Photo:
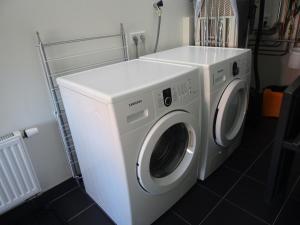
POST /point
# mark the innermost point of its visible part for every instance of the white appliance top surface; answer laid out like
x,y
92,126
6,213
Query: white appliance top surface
x,y
110,82
196,55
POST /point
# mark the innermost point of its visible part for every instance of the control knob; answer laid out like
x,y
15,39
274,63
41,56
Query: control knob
x,y
168,101
167,96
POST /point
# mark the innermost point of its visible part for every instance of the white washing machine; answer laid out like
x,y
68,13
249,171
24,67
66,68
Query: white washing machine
x,y
225,79
135,126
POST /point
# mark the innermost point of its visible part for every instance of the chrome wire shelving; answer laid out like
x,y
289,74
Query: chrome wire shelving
x,y
65,57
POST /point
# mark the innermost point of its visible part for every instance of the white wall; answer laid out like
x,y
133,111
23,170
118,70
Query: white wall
x,y
273,70
24,100
270,70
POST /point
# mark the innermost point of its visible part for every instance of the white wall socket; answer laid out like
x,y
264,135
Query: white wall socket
x,y
136,34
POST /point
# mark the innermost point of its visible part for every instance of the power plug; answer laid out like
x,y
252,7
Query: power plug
x,y
137,34
135,40
143,38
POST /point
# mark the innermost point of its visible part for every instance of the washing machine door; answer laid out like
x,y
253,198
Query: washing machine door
x,y
231,112
168,151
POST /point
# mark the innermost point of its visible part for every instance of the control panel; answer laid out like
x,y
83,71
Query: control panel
x,y
239,66
167,96
142,107
178,92
235,69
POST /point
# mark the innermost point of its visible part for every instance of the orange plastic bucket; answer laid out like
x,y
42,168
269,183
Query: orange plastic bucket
x,y
271,103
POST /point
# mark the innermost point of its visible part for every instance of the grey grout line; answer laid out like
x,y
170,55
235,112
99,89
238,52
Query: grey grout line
x,y
257,157
232,169
238,180
256,180
286,200
202,186
62,195
180,217
208,189
80,212
246,211
219,202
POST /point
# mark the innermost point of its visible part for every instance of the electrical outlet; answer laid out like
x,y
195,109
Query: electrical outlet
x,y
136,34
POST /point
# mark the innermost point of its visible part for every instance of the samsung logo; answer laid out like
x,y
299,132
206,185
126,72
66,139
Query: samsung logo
x,y
220,71
135,103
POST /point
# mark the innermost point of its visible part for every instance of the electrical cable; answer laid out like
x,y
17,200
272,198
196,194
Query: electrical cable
x,y
143,39
136,43
256,47
157,33
157,6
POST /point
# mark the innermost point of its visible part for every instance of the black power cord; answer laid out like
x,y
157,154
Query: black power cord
x,y
257,42
255,99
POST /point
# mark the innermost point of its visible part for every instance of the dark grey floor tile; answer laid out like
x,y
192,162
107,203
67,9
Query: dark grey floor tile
x,y
71,204
169,218
290,214
58,190
226,213
253,151
13,216
292,181
250,195
92,216
196,204
29,220
34,206
240,161
258,135
296,163
296,192
42,217
295,173
260,169
221,180
47,218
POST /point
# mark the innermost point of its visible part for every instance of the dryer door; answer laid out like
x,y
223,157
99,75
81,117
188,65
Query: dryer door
x,y
168,152
231,112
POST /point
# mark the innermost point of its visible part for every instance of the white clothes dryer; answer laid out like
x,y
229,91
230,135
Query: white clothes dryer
x,y
225,79
136,130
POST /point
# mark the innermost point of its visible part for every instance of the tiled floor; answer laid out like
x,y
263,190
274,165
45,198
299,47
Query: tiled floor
x,y
233,195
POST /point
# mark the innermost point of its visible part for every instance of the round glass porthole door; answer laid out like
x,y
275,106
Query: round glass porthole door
x,y
231,112
168,152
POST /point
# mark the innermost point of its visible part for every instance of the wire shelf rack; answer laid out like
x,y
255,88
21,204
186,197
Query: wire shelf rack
x,y
65,57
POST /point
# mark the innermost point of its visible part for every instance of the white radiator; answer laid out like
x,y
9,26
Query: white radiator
x,y
18,180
